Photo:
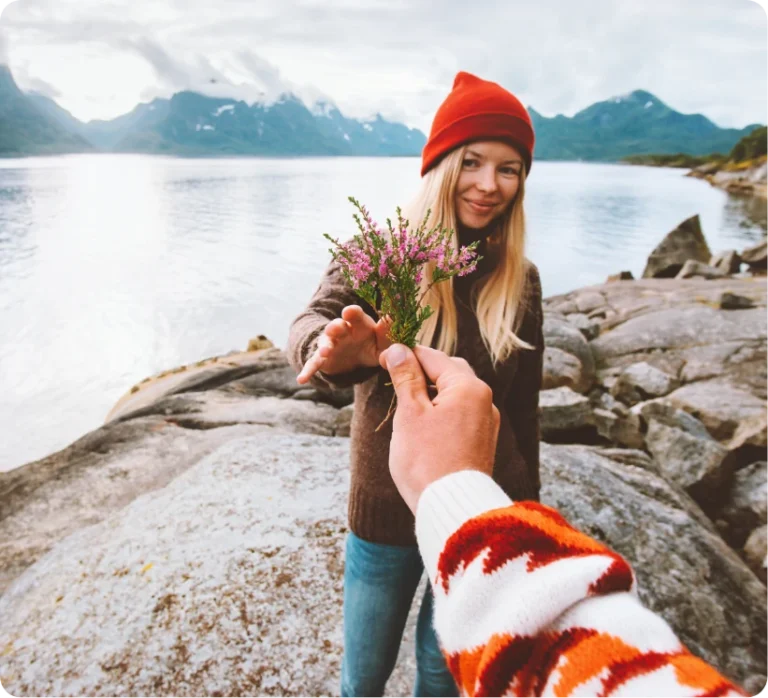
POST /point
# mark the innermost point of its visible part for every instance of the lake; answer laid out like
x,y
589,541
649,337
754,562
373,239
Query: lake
x,y
115,267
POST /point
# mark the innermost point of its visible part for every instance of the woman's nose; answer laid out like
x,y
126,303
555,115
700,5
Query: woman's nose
x,y
487,180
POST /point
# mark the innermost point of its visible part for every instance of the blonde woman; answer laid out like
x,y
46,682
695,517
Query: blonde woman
x,y
474,167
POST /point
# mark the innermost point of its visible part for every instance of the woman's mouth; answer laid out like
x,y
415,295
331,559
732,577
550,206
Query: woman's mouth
x,y
479,207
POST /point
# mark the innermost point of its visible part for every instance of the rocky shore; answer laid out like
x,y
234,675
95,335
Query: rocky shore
x,y
193,545
745,178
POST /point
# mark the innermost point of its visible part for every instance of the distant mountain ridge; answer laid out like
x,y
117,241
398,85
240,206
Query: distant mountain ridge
x,y
192,124
25,130
634,124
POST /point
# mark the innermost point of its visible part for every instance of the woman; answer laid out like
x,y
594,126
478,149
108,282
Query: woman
x,y
474,167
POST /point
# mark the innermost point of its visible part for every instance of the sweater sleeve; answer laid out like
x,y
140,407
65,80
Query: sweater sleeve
x,y
527,605
331,297
522,402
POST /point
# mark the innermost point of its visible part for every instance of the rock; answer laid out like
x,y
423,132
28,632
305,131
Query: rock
x,y
628,456
589,301
563,369
749,441
621,276
561,334
693,268
745,508
728,262
756,256
671,416
344,420
730,301
685,571
565,416
622,431
258,343
699,466
679,328
755,552
642,381
589,328
215,409
683,243
720,406
607,402
228,580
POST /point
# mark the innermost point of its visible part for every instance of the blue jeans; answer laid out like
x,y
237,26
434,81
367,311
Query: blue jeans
x,y
379,584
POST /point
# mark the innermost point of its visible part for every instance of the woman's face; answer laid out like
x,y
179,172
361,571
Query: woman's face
x,y
489,180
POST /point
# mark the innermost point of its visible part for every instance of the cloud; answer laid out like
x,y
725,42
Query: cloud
x,y
399,57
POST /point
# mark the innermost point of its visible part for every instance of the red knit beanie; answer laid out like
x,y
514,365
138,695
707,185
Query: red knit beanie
x,y
478,110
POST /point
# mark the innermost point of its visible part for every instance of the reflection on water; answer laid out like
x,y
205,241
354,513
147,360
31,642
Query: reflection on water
x,y
113,268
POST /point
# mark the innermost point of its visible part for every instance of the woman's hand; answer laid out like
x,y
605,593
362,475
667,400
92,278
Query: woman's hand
x,y
349,342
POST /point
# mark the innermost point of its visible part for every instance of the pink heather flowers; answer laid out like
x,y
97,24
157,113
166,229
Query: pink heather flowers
x,y
386,268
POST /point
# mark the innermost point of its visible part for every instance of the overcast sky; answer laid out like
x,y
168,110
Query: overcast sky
x,y
99,58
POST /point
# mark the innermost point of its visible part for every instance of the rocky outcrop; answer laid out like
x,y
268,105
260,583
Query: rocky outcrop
x,y
214,499
151,439
742,179
683,243
680,376
228,580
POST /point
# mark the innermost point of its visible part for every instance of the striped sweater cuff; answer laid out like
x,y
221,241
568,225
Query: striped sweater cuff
x,y
447,504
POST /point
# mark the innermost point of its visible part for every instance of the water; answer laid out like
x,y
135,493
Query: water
x,y
113,268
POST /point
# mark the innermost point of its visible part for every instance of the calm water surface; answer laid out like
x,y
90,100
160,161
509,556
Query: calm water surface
x,y
113,268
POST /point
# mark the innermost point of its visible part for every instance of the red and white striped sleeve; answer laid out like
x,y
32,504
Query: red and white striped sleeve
x,y
526,605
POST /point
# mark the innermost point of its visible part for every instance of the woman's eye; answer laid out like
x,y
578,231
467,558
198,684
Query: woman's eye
x,y
470,162
510,171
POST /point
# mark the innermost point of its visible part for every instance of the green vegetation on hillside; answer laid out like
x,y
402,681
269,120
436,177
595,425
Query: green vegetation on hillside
x,y
674,160
752,146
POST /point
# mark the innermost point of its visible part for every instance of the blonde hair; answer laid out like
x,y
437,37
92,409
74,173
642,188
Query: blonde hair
x,y
500,299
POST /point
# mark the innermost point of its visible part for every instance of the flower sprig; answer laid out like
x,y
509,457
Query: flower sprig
x,y
386,267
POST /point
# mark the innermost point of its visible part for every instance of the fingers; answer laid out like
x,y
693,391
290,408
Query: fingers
x,y
442,369
356,316
337,329
312,366
407,378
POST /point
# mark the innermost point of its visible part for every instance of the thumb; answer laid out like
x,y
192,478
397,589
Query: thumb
x,y
407,376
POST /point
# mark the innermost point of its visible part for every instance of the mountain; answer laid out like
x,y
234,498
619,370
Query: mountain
x,y
194,124
633,124
25,129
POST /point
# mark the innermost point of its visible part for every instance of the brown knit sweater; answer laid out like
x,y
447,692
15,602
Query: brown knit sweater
x,y
377,512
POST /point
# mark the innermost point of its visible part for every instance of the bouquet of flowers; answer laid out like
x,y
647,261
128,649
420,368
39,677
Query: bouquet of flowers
x,y
386,268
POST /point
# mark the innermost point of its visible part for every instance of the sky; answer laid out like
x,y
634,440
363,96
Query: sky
x,y
99,58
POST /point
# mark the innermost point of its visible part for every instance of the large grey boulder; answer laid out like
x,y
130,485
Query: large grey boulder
x,y
721,406
685,570
228,580
683,243
561,334
700,466
154,434
563,369
666,413
641,381
565,416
